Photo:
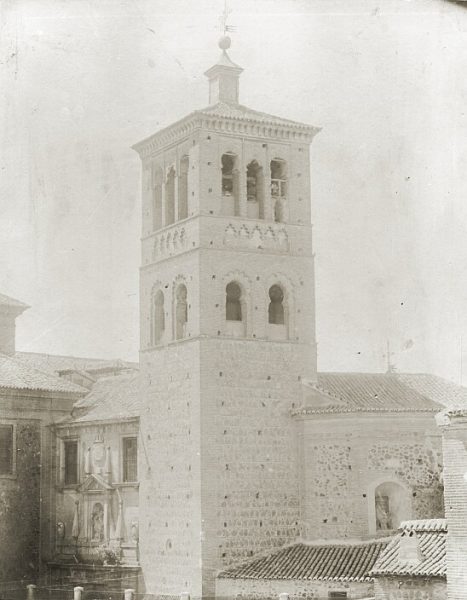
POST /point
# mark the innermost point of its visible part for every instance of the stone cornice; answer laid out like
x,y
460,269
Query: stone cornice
x,y
246,127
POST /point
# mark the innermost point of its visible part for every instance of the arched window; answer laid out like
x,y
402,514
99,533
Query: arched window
x,y
279,188
157,200
276,306
170,197
230,191
181,311
183,189
392,505
158,317
278,178
233,306
254,190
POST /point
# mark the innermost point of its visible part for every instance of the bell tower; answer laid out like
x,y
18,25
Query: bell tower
x,y
227,335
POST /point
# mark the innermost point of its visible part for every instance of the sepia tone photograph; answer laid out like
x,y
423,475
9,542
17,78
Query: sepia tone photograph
x,y
233,306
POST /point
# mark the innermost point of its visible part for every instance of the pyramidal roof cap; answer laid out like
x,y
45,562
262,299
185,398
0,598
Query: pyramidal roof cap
x,y
224,62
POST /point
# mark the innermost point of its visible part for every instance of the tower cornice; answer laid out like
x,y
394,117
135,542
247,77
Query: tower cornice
x,y
228,120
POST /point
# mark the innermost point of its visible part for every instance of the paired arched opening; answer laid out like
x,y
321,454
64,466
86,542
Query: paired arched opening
x,y
181,311
169,200
256,194
157,317
276,325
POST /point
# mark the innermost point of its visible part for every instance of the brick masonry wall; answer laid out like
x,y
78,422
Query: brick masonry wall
x,y
169,471
455,494
20,507
345,457
402,588
249,461
267,589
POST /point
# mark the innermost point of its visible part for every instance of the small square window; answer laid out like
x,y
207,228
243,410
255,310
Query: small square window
x,y
6,449
71,462
130,459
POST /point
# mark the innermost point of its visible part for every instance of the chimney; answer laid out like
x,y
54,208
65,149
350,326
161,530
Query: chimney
x,y
409,548
9,310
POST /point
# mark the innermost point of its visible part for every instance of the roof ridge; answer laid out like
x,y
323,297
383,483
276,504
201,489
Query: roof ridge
x,y
251,111
73,356
63,383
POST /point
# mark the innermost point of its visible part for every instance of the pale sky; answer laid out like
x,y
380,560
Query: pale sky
x,y
386,80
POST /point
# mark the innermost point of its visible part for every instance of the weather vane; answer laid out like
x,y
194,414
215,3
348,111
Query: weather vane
x,y
225,15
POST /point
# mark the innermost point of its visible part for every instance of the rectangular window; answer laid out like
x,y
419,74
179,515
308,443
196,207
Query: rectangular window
x,y
6,449
71,462
337,595
130,459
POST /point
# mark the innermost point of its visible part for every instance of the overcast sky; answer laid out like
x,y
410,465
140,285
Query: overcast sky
x,y
81,81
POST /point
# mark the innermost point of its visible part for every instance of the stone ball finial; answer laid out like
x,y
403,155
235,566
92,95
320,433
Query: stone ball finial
x,y
225,42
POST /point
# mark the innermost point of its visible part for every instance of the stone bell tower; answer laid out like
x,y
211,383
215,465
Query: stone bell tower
x,y
227,335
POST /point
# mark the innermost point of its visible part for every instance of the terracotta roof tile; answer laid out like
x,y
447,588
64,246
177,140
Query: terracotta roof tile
x,y
431,537
325,562
111,398
384,392
238,111
441,390
14,374
55,363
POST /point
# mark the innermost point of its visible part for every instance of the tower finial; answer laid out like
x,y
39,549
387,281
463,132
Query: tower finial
x,y
224,17
225,42
223,76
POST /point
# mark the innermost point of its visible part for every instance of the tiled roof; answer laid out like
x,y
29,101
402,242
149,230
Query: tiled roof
x,y
440,390
383,392
330,562
425,525
238,111
12,303
14,374
431,536
111,398
54,363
